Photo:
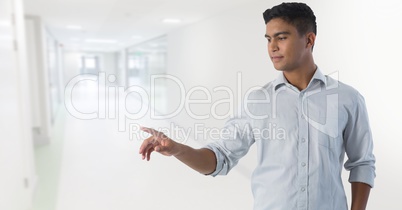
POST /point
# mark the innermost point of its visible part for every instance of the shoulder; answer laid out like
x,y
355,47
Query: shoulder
x,y
260,92
347,94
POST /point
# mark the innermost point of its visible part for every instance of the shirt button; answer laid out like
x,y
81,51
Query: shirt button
x,y
303,189
303,140
303,164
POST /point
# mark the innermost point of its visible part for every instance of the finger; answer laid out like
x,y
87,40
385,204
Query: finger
x,y
145,143
149,130
153,132
149,154
147,149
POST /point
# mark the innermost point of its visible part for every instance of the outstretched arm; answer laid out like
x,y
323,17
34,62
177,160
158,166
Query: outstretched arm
x,y
202,160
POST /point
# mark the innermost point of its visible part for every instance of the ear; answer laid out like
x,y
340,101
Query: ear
x,y
310,40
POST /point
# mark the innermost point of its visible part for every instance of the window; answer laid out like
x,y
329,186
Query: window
x,y
89,64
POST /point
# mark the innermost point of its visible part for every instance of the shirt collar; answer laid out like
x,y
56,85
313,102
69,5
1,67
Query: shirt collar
x,y
281,80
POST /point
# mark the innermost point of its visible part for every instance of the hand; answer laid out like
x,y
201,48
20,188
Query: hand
x,y
158,142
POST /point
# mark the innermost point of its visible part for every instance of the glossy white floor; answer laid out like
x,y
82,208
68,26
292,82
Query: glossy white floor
x,y
100,168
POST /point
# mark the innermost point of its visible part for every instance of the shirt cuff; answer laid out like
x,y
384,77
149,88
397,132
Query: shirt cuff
x,y
219,160
364,174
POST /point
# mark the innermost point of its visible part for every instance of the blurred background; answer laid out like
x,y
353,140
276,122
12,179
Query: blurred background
x,y
78,78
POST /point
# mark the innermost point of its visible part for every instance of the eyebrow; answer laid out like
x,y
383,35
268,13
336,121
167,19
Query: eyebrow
x,y
277,34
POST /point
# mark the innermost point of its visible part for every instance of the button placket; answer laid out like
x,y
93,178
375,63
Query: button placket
x,y
303,154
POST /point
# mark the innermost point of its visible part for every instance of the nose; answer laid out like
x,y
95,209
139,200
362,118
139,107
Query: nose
x,y
272,46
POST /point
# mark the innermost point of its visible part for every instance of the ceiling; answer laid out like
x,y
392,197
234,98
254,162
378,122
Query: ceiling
x,y
110,25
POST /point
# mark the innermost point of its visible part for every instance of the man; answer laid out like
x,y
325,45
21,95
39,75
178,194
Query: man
x,y
321,119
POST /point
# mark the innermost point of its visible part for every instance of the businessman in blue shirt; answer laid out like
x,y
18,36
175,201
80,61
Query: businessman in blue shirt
x,y
322,120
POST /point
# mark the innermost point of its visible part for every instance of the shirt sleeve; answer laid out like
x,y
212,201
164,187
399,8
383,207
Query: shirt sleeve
x,y
237,139
359,145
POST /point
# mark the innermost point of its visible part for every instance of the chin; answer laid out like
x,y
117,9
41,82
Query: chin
x,y
278,68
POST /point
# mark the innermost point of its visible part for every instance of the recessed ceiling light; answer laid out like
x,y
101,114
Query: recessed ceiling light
x,y
171,20
74,27
106,41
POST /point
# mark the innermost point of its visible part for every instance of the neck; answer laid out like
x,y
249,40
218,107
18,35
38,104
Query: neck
x,y
301,77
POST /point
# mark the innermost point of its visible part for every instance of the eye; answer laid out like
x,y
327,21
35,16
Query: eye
x,y
282,38
269,40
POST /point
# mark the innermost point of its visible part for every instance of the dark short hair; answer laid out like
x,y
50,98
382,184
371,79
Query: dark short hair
x,y
299,15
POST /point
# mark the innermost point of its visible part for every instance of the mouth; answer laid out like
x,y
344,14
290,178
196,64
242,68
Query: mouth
x,y
276,58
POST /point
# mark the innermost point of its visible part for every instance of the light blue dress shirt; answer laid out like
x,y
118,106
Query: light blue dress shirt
x,y
301,139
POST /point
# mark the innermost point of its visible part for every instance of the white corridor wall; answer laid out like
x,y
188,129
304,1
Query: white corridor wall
x,y
17,171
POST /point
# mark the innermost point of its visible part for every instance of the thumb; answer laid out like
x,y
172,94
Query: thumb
x,y
164,150
158,148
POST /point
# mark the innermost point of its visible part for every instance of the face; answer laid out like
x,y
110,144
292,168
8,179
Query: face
x,y
286,48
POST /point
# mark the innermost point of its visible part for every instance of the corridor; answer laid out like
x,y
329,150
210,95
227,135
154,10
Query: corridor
x,y
78,79
98,167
